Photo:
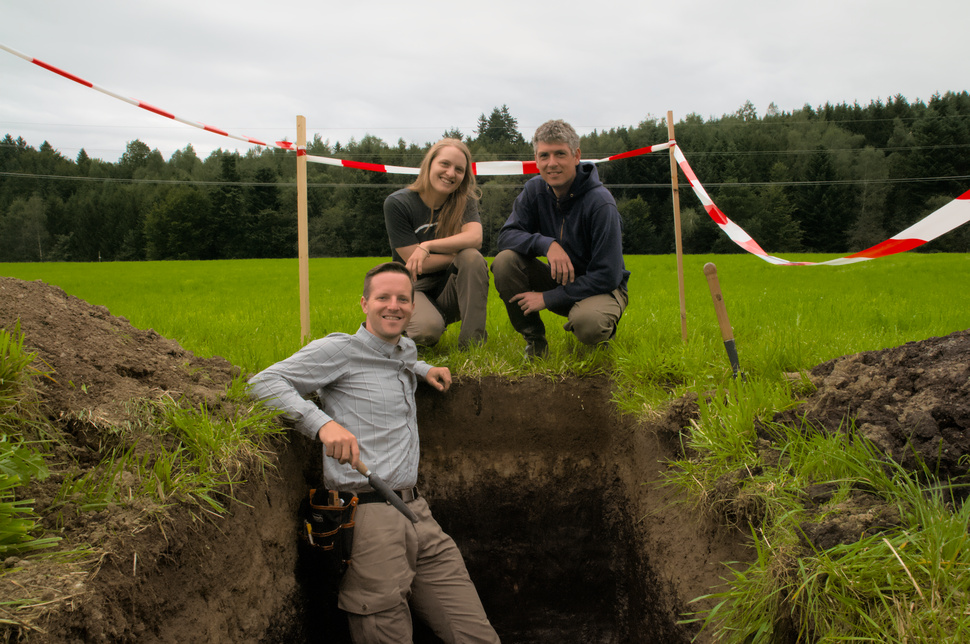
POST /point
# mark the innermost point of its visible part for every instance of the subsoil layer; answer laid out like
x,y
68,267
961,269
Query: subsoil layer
x,y
555,500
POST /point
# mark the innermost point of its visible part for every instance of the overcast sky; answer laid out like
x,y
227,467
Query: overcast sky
x,y
411,70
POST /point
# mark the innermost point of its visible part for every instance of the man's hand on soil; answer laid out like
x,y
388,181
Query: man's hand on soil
x,y
439,378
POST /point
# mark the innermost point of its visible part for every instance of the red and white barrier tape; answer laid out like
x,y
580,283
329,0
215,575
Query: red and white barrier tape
x,y
941,221
130,101
481,168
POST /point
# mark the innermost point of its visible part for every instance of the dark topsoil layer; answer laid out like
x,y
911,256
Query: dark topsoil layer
x,y
192,577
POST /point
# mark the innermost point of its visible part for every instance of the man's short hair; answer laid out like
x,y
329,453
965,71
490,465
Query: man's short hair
x,y
556,131
386,267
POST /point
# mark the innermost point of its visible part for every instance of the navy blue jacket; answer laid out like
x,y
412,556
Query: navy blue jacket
x,y
585,223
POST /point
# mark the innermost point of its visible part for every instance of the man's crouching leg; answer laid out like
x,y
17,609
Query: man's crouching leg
x,y
593,320
443,595
392,626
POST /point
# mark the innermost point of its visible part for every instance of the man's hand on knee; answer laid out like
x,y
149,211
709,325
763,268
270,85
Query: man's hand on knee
x,y
530,302
560,266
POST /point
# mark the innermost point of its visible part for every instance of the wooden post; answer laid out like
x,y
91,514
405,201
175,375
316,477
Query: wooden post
x,y
677,236
303,243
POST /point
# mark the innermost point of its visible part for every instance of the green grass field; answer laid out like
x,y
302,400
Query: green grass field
x,y
784,318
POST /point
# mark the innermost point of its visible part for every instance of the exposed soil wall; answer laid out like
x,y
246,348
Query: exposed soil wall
x,y
558,505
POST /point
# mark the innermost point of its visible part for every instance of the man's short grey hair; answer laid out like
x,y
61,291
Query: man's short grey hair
x,y
556,131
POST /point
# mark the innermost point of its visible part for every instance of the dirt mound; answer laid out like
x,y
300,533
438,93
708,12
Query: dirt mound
x,y
99,361
912,402
146,569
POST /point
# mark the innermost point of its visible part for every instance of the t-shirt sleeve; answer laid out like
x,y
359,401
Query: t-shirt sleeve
x,y
399,224
471,212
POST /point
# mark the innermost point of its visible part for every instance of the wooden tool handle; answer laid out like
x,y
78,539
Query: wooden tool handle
x,y
727,333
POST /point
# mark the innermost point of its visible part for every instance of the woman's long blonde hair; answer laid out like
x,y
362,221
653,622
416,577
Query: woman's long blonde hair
x,y
450,218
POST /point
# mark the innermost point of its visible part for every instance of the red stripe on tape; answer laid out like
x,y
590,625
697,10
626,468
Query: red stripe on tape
x,y
530,167
965,195
61,72
752,247
889,247
215,130
631,153
156,110
360,165
715,213
300,152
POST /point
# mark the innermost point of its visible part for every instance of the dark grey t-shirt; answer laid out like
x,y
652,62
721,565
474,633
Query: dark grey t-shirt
x,y
409,221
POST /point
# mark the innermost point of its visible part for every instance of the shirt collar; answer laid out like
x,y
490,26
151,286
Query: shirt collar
x,y
401,350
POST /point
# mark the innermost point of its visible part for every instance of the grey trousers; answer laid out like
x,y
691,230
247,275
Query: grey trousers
x,y
464,297
396,563
592,320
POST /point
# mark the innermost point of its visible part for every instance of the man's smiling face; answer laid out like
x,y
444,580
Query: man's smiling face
x,y
557,165
388,305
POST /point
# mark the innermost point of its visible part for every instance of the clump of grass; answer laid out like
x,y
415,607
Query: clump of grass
x,y
20,460
909,583
18,411
18,522
724,471
176,453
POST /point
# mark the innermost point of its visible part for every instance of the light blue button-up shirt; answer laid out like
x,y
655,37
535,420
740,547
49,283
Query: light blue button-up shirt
x,y
365,384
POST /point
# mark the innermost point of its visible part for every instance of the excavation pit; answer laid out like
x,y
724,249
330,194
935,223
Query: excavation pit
x,y
556,504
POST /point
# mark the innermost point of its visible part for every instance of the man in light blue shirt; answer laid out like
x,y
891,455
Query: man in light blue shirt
x,y
365,383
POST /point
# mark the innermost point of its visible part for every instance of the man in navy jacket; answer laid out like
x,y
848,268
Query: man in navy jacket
x,y
569,217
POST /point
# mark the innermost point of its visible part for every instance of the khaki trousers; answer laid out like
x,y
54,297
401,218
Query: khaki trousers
x,y
592,320
395,563
463,297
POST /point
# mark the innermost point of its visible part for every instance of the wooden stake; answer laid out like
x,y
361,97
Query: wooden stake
x,y
679,245
303,243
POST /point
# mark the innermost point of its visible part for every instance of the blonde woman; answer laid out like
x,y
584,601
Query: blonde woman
x,y
434,229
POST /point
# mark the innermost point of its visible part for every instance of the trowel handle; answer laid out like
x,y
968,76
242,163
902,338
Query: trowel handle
x,y
727,333
363,470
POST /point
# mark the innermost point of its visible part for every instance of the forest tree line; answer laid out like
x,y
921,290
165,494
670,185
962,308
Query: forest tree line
x,y
833,179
